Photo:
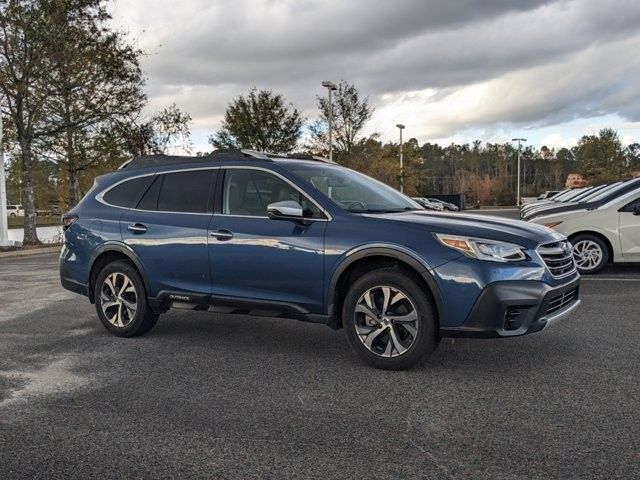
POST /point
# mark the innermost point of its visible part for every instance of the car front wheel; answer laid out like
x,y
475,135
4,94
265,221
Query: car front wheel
x,y
590,253
390,320
121,301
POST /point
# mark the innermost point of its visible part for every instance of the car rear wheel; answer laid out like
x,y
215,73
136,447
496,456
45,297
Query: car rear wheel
x,y
389,320
121,301
590,253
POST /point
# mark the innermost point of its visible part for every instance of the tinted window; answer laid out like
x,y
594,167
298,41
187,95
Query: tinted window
x,y
150,199
185,191
630,207
129,192
249,192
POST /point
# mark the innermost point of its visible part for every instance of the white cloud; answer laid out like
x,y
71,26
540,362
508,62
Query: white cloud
x,y
445,69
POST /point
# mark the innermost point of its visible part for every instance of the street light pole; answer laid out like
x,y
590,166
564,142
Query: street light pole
x,y
4,227
401,127
518,191
331,87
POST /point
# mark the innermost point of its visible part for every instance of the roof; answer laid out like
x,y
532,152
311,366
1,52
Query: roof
x,y
162,160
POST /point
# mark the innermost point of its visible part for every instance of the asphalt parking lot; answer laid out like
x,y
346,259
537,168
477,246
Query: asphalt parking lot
x,y
207,395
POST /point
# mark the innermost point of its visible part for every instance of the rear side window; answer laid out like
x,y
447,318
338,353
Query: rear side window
x,y
186,191
128,193
150,199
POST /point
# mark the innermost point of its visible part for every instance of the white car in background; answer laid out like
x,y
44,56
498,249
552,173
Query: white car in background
x,y
15,211
428,204
602,231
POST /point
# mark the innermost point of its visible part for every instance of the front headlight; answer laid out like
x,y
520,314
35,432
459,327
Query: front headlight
x,y
483,249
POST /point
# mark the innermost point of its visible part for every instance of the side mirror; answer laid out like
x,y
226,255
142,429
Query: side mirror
x,y
636,210
286,210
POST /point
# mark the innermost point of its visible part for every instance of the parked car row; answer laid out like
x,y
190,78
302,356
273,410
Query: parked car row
x,y
602,222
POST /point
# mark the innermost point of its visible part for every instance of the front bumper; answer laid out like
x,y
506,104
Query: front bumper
x,y
511,308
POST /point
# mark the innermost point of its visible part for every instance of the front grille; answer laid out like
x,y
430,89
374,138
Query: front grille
x,y
562,301
558,257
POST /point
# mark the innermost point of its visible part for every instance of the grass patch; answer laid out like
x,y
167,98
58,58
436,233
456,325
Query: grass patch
x,y
41,221
30,247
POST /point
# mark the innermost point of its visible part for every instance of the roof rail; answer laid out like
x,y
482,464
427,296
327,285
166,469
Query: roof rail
x,y
300,156
158,160
244,152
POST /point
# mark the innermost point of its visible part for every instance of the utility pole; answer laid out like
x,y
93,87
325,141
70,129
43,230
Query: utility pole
x,y
518,188
331,87
4,227
401,127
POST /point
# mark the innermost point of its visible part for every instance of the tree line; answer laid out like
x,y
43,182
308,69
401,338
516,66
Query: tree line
x,y
484,173
72,90
72,96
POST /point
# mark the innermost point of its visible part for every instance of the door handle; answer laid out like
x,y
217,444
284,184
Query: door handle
x,y
137,228
222,234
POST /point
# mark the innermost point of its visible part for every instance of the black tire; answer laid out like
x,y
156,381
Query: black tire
x,y
12,215
143,319
580,243
418,346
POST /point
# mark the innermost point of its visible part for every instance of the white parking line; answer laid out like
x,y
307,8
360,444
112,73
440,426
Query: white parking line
x,y
621,279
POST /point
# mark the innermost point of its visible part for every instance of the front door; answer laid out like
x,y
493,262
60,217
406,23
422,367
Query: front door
x,y
260,260
629,228
168,232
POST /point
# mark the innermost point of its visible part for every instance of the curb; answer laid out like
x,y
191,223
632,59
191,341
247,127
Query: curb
x,y
33,251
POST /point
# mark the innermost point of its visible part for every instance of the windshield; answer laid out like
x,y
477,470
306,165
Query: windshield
x,y
353,191
574,193
604,193
560,196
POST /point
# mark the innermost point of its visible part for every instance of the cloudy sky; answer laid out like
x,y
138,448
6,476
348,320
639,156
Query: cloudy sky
x,y
450,70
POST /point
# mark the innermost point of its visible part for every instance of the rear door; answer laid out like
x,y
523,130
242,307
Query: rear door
x,y
629,229
168,232
263,261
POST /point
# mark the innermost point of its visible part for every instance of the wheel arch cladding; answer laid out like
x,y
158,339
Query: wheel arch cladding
x,y
606,241
110,254
370,259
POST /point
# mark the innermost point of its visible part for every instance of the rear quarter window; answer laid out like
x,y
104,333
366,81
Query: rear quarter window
x,y
128,193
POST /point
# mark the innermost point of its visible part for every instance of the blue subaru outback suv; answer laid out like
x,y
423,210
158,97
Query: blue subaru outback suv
x,y
304,238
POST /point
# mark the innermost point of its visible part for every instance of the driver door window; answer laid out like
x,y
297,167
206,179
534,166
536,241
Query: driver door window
x,y
248,192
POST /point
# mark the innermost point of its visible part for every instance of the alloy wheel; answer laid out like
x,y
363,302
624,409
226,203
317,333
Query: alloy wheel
x,y
587,254
118,299
386,321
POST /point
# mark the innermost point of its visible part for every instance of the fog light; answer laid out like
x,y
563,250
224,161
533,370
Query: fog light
x,y
514,317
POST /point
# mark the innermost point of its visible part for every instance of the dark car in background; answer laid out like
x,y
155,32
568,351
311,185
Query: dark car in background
x,y
268,235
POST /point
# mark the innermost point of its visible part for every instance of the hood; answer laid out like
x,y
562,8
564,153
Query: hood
x,y
482,226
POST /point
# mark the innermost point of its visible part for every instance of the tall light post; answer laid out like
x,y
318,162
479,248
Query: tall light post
x,y
4,227
518,190
401,127
331,87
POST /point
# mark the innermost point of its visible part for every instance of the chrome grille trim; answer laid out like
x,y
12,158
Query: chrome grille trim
x,y
558,257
